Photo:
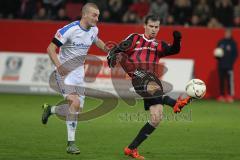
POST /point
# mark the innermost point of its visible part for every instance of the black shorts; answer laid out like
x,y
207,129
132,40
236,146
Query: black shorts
x,y
148,102
140,81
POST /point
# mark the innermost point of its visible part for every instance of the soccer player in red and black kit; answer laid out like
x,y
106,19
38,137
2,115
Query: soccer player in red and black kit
x,y
138,55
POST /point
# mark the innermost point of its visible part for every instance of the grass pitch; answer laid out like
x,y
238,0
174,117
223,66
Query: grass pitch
x,y
205,130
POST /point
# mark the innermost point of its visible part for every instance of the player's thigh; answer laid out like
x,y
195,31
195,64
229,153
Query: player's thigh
x,y
152,87
76,77
74,92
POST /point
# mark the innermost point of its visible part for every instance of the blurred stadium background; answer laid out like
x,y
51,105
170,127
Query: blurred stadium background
x,y
206,130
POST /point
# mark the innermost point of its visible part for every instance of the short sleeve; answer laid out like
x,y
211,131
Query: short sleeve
x,y
131,40
62,35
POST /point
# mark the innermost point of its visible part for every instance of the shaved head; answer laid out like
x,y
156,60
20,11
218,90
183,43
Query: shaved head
x,y
90,14
87,6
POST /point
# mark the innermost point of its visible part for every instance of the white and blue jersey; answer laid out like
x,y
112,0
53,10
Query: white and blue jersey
x,y
75,41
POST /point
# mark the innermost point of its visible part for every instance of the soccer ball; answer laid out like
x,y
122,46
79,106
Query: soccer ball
x,y
218,52
196,88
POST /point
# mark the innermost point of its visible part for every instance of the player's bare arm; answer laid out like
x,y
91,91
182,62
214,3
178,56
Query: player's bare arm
x,y
51,50
100,44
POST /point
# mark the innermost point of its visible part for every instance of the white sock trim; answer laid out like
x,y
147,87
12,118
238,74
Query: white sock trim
x,y
53,109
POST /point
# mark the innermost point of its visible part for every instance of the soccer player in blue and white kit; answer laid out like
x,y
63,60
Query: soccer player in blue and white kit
x,y
74,40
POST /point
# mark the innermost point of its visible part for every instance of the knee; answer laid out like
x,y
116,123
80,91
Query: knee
x,y
155,123
76,104
155,120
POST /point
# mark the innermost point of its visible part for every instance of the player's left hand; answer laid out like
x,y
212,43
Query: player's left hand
x,y
177,35
62,70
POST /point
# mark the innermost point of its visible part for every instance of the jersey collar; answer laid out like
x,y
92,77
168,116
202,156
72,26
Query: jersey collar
x,y
148,40
86,30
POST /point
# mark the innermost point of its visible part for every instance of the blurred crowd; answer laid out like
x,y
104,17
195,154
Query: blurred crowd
x,y
210,13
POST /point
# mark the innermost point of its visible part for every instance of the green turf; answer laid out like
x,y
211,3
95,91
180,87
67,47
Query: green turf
x,y
206,130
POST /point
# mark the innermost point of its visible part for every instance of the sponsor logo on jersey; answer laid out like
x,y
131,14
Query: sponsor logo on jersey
x,y
143,48
81,45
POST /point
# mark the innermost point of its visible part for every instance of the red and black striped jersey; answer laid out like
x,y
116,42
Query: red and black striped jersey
x,y
144,54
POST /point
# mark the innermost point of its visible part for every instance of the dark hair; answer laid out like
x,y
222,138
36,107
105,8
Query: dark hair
x,y
151,17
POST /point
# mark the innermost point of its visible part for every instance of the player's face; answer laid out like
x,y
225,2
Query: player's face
x,y
228,34
152,28
92,17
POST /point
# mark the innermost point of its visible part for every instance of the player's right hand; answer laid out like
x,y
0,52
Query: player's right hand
x,y
111,59
63,71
